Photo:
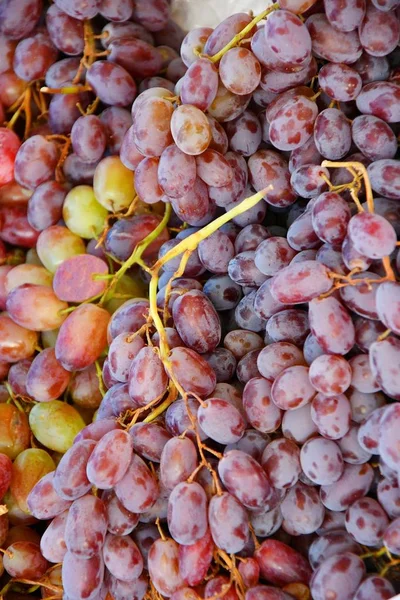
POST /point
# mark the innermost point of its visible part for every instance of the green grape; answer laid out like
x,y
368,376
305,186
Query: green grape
x,y
82,214
55,244
28,468
127,287
113,184
55,424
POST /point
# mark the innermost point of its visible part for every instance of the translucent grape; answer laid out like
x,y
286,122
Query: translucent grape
x,y
227,105
214,169
28,468
55,424
240,71
163,566
24,560
280,564
47,379
57,243
43,305
190,129
14,431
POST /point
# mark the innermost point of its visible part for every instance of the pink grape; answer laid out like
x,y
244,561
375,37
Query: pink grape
x,y
236,470
321,460
86,527
200,84
379,32
43,501
331,324
366,521
332,44
190,129
138,489
177,462
340,82
280,564
195,559
262,413
381,99
52,543
300,282
332,415
293,124
292,388
329,543
145,367
373,137
110,459
353,484
221,421
288,38
187,513
228,522
330,217
332,134
122,557
46,379
163,566
341,573
281,462
176,172
375,585
331,374
372,235
240,71
302,510
82,577
120,521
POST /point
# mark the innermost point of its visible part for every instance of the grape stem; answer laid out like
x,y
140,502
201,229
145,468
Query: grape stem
x,y
242,34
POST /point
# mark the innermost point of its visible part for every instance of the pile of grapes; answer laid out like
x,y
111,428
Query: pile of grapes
x,y
199,265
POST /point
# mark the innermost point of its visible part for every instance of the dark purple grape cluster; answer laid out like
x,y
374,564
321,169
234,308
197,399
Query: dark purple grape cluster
x,y
199,279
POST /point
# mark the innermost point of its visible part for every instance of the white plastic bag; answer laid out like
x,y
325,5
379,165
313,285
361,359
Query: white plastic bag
x,y
209,13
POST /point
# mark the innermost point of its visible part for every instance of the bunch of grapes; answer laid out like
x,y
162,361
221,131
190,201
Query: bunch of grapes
x,y
199,343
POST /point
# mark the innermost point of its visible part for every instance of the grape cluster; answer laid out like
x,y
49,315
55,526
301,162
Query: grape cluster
x,y
199,343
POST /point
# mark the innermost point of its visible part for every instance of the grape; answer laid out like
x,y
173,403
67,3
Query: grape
x,y
122,590
70,480
340,574
221,421
145,367
372,68
240,71
223,363
369,431
332,134
276,357
379,32
389,497
381,99
374,137
232,192
353,484
122,557
120,89
74,355
5,474
10,144
240,342
277,81
45,205
24,559
43,501
137,490
33,56
123,349
387,432
280,564
331,374
187,513
292,389
288,38
195,559
25,273
254,215
266,523
288,326
200,84
14,431
192,208
82,577
351,448
302,510
224,32
190,129
40,152
362,377
46,379
52,543
163,566
214,169
244,134
146,182
301,234
246,315
272,255
332,415
377,586
176,172
120,520
95,431
77,171
247,367
221,587
228,523
110,459
57,243
152,15
116,401
37,464
136,56
300,282
216,251
329,544
340,82
55,424
329,42
86,526
242,269
65,32
265,306
178,461
88,137
330,323
383,175
19,17
227,106
372,235
308,180
43,305
149,440
262,413
280,461
321,460
116,121
366,521
250,572
293,124
266,592
330,217
74,280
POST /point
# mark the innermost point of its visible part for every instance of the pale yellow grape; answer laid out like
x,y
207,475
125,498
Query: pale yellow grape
x,y
55,424
28,468
26,273
57,243
113,184
82,213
